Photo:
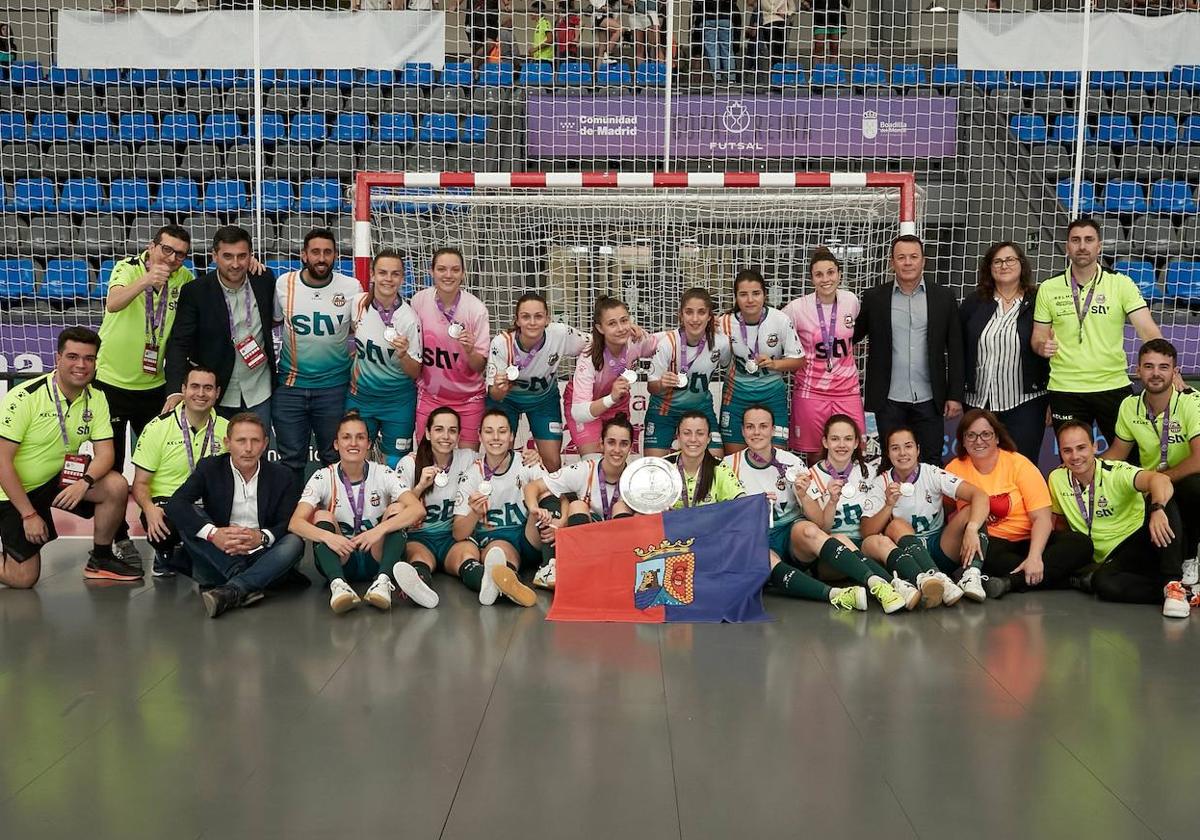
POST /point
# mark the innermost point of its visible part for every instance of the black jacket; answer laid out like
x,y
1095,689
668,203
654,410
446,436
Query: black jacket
x,y
200,335
975,312
945,340
211,484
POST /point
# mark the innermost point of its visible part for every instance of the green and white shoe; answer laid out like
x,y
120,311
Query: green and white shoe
x,y
848,598
887,597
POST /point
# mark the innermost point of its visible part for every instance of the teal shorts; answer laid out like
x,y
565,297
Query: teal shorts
x,y
439,544
545,416
732,411
660,429
933,544
390,420
779,538
359,568
514,536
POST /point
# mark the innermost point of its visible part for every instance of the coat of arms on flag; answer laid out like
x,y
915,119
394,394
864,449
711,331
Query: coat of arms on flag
x,y
665,575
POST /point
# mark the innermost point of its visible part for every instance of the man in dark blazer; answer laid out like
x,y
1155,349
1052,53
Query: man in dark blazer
x,y
915,358
224,323
232,514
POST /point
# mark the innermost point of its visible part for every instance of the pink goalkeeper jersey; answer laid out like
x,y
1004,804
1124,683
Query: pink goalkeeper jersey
x,y
831,371
589,384
444,371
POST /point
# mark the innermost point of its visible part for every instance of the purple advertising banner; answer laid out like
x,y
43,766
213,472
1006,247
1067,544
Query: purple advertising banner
x,y
720,126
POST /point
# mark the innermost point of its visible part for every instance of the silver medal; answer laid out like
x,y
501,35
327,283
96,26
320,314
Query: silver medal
x,y
455,330
681,380
390,334
906,488
793,474
751,366
441,479
512,373
629,376
849,491
485,488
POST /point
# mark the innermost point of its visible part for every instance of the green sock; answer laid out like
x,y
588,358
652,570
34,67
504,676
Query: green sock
x,y
393,548
328,563
901,561
796,583
621,515
424,573
471,574
977,560
578,519
915,547
851,563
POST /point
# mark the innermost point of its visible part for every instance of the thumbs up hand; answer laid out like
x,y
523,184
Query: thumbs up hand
x,y
1049,346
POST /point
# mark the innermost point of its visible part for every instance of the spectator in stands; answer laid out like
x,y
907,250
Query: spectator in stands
x,y
541,43
223,322
828,26
232,514
716,24
313,307
483,27
1003,374
606,18
566,32
8,44
774,18
1079,325
643,22
45,425
914,372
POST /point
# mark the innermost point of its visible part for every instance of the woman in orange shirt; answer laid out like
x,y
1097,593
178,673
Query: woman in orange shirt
x,y
1023,551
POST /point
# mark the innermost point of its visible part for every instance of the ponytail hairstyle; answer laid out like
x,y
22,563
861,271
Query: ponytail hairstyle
x,y
423,457
526,298
351,416
702,295
748,275
708,463
856,455
603,304
621,421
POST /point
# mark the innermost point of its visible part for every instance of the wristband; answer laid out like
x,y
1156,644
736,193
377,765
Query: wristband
x,y
30,515
88,480
608,401
1155,506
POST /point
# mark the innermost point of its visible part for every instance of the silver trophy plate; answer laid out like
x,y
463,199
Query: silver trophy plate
x,y
651,485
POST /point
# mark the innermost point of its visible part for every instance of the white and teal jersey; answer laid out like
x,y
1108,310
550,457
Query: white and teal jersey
x,y
586,480
538,365
506,501
316,330
439,501
770,481
674,354
866,501
380,487
774,336
924,509
376,371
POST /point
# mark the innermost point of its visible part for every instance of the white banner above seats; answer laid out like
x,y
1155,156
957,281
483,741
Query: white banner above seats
x,y
225,40
1053,41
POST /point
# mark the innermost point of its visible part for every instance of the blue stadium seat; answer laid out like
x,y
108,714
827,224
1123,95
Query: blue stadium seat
x,y
345,265
343,79
50,126
458,74
183,80
1148,81
650,74
1115,130
16,279
295,78
140,77
1087,195
1109,81
223,128
537,74
613,73
1063,130
497,74
473,128
278,196
100,289
179,127
13,127
226,195
321,195
1030,81
379,78
989,80
947,75
574,74
101,76
439,128
228,79
274,128
25,74
81,195
906,76
1190,132
1142,273
1183,279
177,195
788,74
308,128
245,79
129,195
418,73
63,76
828,74
1171,196
66,280
1125,197
1185,77
93,127
137,128
1065,80
1158,130
351,128
1028,128
396,128
35,195
282,267
868,74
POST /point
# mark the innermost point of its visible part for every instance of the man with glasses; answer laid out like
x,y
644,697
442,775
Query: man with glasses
x,y
138,315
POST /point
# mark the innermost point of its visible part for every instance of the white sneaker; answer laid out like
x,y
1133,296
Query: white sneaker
x,y
971,583
849,598
341,597
544,577
1191,572
488,590
415,589
380,593
1175,601
951,592
910,593
931,590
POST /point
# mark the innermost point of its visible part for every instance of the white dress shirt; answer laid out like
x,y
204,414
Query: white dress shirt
x,y
244,511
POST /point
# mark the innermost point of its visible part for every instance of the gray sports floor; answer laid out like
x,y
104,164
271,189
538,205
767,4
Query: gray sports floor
x,y
125,713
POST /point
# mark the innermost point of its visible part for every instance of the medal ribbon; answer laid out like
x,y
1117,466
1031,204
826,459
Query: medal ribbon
x,y
229,311
1087,302
448,314
1086,511
386,315
828,332
186,432
911,478
357,504
155,314
773,462
685,365
688,501
521,358
605,504
62,420
1164,437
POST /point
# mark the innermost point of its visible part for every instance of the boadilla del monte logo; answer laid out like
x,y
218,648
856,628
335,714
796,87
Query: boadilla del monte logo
x,y
872,126
665,576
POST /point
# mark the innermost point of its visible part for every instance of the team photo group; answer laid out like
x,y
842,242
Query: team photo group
x,y
415,407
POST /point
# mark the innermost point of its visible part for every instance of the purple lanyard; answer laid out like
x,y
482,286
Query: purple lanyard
x,y
488,472
1164,437
839,475
62,420
773,462
688,501
521,358
448,314
828,332
616,364
910,479
155,314
229,311
685,364
606,506
1086,511
187,439
357,504
386,315
1087,302
746,333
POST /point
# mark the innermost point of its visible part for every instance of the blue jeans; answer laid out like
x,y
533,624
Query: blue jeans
x,y
718,47
303,413
245,572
